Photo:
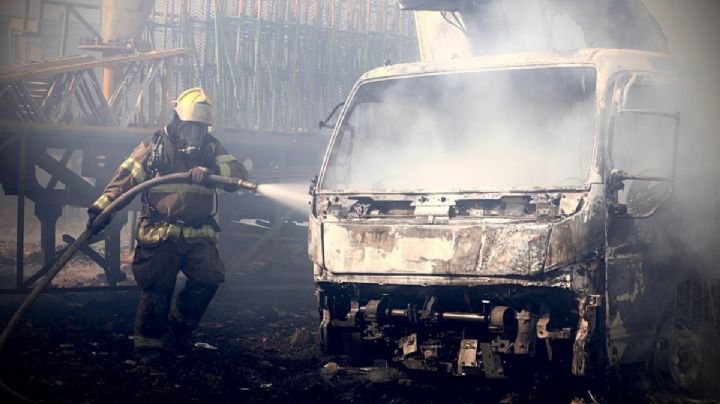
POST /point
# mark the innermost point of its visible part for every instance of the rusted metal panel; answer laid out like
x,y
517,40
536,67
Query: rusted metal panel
x,y
631,328
558,279
480,249
315,243
581,236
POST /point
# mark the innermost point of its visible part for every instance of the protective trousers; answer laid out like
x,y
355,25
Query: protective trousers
x,y
155,269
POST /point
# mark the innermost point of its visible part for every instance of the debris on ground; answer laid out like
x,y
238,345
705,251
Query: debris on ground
x,y
77,347
330,369
205,345
301,336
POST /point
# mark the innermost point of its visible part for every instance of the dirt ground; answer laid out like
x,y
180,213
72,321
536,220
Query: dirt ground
x,y
259,342
254,346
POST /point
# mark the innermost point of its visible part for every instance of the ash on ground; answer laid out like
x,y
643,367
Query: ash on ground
x,y
259,342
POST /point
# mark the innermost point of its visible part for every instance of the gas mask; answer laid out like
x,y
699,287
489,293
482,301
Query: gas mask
x,y
190,139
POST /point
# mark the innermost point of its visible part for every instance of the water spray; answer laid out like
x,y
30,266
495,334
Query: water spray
x,y
291,195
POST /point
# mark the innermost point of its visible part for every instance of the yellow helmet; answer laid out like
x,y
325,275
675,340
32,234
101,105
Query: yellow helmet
x,y
194,105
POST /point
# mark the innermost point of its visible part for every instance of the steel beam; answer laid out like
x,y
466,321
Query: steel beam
x,y
24,72
48,210
8,142
83,21
105,109
65,29
144,86
67,95
20,226
87,250
70,4
63,160
71,180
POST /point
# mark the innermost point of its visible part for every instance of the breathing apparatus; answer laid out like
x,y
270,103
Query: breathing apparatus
x,y
194,114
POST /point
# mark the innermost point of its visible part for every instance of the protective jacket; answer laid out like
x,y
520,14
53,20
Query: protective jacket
x,y
174,210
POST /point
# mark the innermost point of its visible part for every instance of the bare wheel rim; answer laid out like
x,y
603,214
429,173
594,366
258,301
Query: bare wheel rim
x,y
678,356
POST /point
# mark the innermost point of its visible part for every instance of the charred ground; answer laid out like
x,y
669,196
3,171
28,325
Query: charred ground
x,y
259,342
255,345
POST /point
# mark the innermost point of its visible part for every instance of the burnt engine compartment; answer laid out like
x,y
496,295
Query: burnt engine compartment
x,y
530,206
490,331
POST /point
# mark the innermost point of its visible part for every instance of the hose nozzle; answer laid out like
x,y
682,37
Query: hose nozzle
x,y
244,184
249,185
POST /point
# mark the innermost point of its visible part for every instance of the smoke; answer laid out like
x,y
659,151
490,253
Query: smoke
x,y
512,26
692,31
525,129
469,131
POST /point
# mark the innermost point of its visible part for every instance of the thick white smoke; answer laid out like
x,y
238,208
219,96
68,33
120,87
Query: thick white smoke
x,y
469,131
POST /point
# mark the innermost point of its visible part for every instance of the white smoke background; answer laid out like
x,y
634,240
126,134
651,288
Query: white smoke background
x,y
469,132
528,29
493,139
694,40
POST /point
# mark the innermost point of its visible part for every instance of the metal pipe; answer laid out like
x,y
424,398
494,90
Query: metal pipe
x,y
20,236
26,17
458,316
108,83
218,63
464,317
41,14
65,29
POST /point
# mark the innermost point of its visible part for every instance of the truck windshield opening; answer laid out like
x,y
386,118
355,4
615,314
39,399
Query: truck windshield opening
x,y
492,130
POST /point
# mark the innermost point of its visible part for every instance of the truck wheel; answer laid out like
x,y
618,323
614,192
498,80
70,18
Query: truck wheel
x,y
330,343
355,349
677,360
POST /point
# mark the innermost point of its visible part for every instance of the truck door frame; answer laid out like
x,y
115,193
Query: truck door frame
x,y
638,281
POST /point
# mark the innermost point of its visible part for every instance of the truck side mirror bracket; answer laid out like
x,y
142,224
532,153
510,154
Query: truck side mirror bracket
x,y
616,182
324,123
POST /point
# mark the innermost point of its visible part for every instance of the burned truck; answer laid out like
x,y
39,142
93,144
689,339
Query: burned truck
x,y
486,215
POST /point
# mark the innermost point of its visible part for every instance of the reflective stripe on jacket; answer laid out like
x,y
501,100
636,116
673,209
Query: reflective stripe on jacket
x,y
150,234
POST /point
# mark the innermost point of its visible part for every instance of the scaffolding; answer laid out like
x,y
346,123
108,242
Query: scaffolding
x,y
274,68
270,65
280,65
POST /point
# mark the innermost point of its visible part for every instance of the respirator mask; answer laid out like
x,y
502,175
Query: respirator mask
x,y
190,138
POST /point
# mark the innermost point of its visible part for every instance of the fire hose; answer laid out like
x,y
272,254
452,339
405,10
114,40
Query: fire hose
x,y
104,217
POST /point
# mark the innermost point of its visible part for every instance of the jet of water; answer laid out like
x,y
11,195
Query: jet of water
x,y
292,195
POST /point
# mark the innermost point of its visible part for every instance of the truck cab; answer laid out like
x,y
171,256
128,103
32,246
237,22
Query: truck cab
x,y
483,215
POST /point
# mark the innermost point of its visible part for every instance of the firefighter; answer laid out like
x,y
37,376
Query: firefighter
x,y
177,230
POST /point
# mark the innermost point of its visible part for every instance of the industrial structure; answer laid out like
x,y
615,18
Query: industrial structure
x,y
69,111
497,189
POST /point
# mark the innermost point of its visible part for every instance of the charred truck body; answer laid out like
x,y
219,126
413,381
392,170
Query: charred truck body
x,y
489,214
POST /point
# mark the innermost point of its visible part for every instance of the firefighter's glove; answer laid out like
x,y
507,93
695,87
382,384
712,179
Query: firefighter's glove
x,y
93,213
200,175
